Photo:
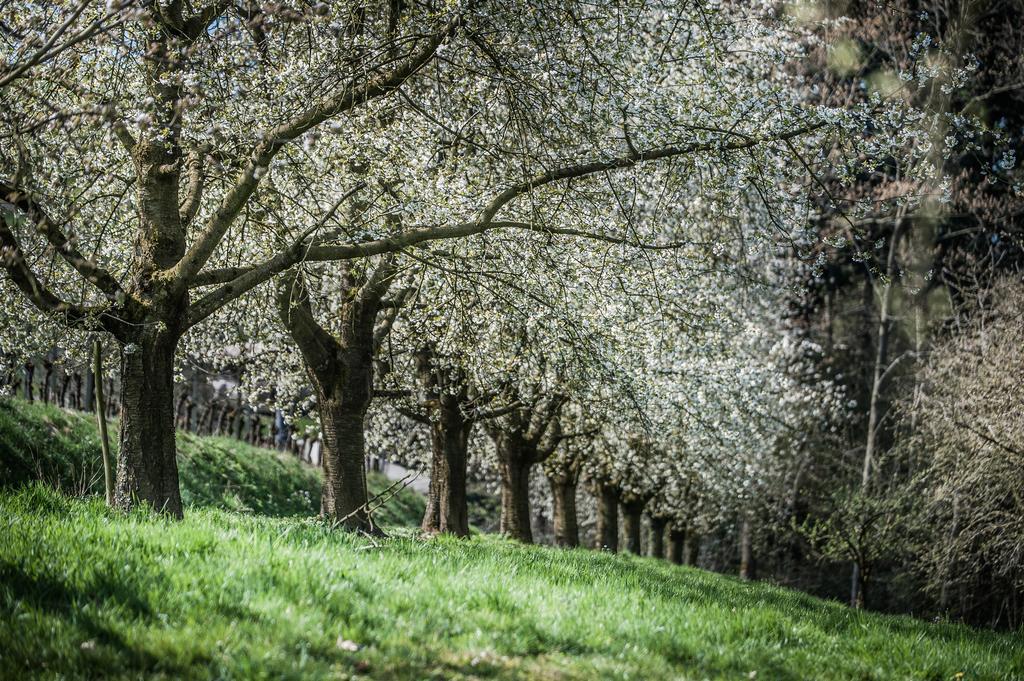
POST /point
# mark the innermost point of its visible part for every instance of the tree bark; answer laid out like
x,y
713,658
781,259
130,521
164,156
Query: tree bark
x,y
445,394
747,566
515,460
219,428
146,467
858,586
447,508
341,370
633,511
76,392
65,383
238,420
607,518
676,540
563,493
90,389
113,406
101,419
30,371
523,436
656,547
205,421
47,380
344,490
691,548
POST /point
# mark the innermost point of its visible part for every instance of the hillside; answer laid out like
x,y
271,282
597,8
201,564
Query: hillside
x,y
85,590
62,449
235,592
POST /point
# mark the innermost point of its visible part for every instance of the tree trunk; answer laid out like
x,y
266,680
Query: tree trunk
x,y
90,388
676,539
633,512
253,437
341,368
344,494
607,519
567,531
515,496
146,467
76,392
447,509
859,586
238,421
747,566
30,371
219,428
65,383
657,543
47,380
691,548
205,420
112,406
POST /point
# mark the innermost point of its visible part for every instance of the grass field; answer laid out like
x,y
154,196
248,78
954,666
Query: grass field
x,y
250,586
86,591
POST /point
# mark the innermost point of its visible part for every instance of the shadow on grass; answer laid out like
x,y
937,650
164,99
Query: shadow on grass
x,y
54,597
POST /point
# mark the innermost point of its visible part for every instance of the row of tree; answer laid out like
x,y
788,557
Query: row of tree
x,y
535,235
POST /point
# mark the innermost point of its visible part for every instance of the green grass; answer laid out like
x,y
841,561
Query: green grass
x,y
86,591
62,449
232,592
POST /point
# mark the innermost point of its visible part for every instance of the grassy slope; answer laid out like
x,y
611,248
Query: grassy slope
x,y
39,442
85,590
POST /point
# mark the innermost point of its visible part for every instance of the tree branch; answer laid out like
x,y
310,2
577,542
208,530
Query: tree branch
x,y
196,182
93,273
345,99
313,252
24,278
492,414
51,47
319,348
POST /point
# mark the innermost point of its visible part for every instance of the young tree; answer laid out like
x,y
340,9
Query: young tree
x,y
965,434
